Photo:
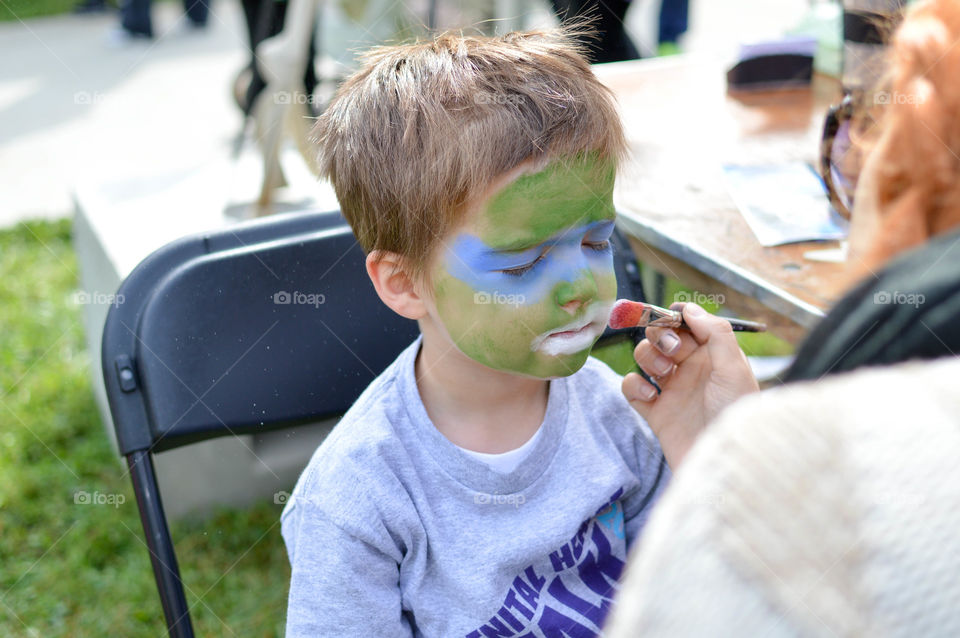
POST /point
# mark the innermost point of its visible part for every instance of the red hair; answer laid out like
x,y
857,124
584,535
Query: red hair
x,y
918,190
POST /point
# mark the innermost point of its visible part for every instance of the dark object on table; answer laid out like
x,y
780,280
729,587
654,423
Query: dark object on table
x,y
773,65
867,24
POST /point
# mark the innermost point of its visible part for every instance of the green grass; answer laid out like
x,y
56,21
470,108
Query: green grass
x,y
69,569
23,9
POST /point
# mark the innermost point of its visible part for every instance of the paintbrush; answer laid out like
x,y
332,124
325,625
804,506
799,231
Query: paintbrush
x,y
636,314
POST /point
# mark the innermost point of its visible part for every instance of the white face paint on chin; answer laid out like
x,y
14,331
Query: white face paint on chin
x,y
577,335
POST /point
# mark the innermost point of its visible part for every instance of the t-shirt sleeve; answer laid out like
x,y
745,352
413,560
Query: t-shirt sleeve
x,y
340,584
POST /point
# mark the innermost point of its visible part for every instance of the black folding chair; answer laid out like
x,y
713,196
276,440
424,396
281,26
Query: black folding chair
x,y
267,325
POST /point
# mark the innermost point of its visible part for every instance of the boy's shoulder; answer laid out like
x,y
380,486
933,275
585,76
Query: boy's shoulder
x,y
363,448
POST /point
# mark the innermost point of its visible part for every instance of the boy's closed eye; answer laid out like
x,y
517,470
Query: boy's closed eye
x,y
518,271
595,239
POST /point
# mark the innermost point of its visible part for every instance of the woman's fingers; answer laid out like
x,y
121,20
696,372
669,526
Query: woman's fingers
x,y
639,392
717,334
636,388
650,360
676,344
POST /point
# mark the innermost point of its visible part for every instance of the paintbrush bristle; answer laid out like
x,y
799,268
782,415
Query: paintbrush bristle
x,y
626,314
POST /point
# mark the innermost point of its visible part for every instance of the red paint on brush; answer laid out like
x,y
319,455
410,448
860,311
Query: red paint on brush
x,y
626,314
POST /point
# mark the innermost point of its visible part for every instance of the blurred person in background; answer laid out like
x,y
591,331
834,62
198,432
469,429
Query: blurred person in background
x,y
90,6
135,20
673,22
612,43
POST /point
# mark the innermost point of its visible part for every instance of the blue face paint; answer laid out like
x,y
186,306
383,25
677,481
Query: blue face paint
x,y
532,274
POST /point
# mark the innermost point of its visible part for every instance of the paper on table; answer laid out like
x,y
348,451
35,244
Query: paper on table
x,y
784,203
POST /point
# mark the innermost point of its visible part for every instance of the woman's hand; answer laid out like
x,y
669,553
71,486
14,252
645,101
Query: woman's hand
x,y
700,372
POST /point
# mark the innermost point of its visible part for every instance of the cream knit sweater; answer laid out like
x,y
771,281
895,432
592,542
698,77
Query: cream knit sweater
x,y
829,508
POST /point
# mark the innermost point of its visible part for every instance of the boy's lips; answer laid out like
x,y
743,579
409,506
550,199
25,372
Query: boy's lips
x,y
576,335
569,333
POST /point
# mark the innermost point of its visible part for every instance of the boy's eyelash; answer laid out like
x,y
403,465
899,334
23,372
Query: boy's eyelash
x,y
599,246
521,270
518,271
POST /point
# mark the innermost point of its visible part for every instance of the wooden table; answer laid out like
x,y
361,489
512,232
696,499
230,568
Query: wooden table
x,y
682,128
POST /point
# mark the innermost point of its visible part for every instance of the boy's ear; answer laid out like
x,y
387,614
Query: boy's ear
x,y
394,285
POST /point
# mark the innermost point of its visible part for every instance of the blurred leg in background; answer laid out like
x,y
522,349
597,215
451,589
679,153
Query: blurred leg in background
x,y
136,22
135,18
265,19
197,12
674,20
90,6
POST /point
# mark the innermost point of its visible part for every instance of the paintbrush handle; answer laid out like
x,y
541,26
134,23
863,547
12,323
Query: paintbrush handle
x,y
739,325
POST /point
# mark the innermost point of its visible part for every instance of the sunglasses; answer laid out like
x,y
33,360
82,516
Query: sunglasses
x,y
836,162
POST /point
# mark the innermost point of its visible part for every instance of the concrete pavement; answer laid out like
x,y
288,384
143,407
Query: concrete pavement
x,y
75,110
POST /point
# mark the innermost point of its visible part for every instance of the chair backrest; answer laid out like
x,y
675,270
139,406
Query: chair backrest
x,y
246,330
265,325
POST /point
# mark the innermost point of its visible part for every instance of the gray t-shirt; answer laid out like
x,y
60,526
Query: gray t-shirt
x,y
392,530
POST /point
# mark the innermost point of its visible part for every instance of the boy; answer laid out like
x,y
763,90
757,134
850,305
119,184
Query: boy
x,y
491,480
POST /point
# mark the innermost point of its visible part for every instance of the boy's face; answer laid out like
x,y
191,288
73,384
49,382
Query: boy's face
x,y
526,284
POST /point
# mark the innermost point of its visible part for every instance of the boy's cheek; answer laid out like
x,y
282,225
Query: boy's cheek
x,y
607,285
486,322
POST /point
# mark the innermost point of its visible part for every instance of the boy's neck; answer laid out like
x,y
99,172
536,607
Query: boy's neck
x,y
476,407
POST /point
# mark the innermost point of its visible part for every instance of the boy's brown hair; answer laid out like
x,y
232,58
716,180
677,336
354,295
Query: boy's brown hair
x,y
422,130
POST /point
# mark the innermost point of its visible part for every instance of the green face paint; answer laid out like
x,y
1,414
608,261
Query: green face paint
x,y
526,284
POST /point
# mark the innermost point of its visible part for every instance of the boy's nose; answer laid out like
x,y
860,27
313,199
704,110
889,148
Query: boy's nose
x,y
571,295
572,307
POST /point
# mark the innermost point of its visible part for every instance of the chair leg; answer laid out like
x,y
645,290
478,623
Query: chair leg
x,y
162,555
